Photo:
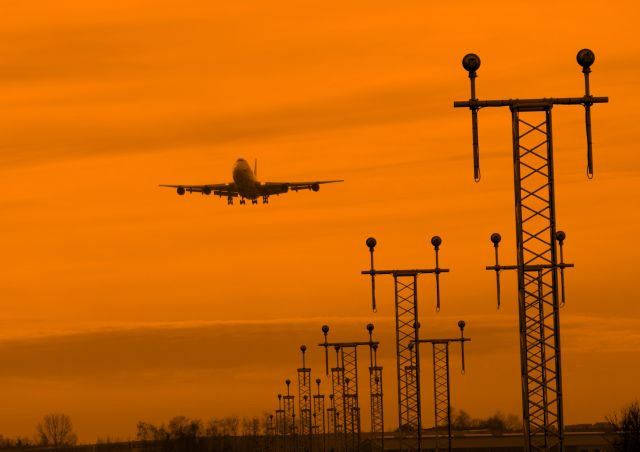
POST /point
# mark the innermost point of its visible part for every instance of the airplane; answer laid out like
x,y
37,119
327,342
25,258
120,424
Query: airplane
x,y
245,185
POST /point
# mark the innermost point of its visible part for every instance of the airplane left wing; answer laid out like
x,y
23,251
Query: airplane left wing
x,y
217,189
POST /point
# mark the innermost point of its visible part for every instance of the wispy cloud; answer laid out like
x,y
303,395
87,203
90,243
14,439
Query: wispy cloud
x,y
38,139
144,348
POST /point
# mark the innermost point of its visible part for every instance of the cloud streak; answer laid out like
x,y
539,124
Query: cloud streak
x,y
48,138
203,347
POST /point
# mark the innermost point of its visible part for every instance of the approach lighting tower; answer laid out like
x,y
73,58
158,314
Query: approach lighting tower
x,y
289,418
441,385
537,248
304,402
319,426
376,398
406,307
345,384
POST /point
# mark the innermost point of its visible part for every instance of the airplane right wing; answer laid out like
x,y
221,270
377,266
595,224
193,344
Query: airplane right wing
x,y
275,188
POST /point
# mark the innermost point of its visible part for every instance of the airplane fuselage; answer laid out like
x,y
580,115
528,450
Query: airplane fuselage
x,y
245,179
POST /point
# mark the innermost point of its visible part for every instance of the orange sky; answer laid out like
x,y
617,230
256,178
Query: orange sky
x,y
121,301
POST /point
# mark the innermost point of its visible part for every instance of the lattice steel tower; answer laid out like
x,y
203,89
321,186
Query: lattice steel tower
x,y
289,418
376,396
319,426
537,249
345,385
304,404
408,369
441,384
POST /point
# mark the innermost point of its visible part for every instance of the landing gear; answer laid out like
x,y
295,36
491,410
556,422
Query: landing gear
x,y
229,200
265,199
242,201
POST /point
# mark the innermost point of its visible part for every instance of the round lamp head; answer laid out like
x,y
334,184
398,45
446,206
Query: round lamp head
x,y
585,58
371,243
495,238
471,62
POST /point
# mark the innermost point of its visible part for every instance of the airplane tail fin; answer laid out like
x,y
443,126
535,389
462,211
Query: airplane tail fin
x,y
255,168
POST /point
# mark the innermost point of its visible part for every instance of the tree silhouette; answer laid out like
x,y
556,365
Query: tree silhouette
x,y
626,424
56,430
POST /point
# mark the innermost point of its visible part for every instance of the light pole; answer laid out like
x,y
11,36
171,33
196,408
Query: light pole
x,y
406,314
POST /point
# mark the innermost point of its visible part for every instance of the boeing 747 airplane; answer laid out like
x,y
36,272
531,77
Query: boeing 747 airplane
x,y
245,186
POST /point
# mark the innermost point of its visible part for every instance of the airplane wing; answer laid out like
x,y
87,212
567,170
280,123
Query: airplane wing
x,y
217,189
274,188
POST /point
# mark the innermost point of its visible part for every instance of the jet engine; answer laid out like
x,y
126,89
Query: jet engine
x,y
315,187
180,191
206,190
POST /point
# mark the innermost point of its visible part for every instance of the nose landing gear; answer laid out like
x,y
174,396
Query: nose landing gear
x,y
229,200
265,199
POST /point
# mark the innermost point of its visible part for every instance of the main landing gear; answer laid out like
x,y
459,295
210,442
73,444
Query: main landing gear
x,y
265,200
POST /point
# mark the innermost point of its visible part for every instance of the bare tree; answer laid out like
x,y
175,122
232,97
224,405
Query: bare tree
x,y
56,430
462,420
626,424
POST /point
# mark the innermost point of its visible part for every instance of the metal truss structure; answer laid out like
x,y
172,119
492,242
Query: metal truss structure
x,y
442,386
408,362
338,390
345,387
377,405
333,422
280,422
538,256
351,418
319,426
304,404
270,437
441,392
289,418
